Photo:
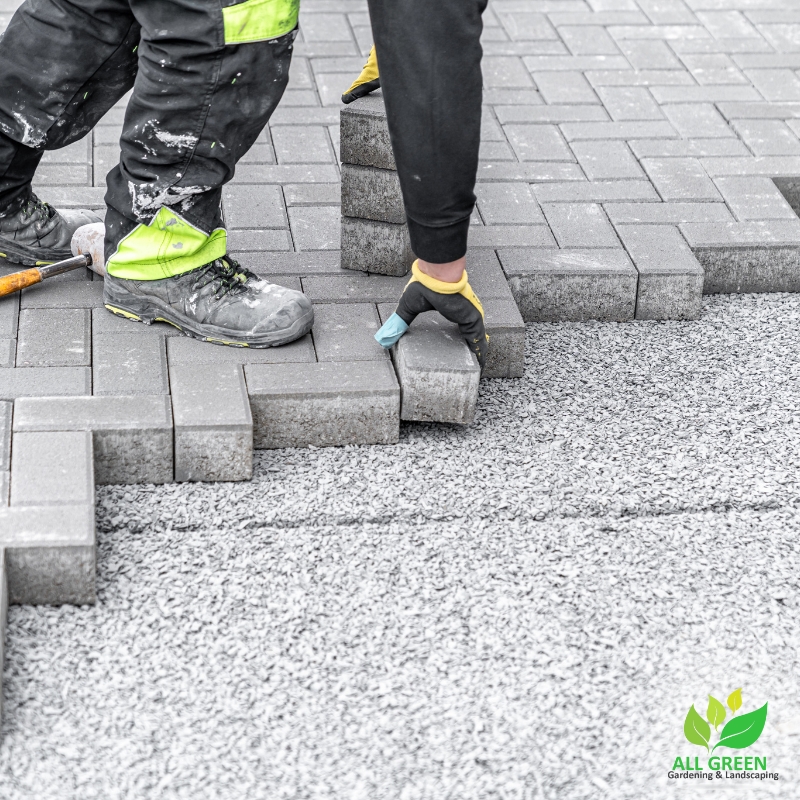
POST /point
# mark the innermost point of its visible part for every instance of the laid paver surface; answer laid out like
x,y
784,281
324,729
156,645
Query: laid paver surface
x,y
524,608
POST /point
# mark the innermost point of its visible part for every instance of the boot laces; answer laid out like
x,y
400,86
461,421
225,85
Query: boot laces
x,y
226,276
33,205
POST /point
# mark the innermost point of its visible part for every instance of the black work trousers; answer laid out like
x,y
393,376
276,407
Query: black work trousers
x,y
203,91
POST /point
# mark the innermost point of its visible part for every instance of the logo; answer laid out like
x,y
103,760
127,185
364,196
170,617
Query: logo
x,y
742,731
738,733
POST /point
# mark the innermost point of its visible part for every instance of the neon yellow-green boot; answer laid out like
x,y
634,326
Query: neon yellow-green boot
x,y
368,81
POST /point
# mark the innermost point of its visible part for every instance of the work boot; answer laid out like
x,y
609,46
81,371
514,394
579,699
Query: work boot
x,y
220,302
368,81
35,233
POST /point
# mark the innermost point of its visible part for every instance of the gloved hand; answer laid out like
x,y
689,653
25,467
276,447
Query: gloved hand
x,y
368,81
454,301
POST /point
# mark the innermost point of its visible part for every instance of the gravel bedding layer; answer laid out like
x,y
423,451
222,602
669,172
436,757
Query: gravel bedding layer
x,y
522,609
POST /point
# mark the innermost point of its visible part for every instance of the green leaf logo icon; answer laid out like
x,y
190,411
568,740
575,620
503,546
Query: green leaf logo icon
x,y
716,712
696,729
742,731
735,700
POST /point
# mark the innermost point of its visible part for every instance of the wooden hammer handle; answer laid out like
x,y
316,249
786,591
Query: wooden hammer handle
x,y
19,280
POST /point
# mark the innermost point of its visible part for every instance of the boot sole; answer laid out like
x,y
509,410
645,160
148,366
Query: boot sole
x,y
30,256
148,313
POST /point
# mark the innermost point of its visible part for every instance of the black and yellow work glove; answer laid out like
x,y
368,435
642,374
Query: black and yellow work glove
x,y
454,301
368,81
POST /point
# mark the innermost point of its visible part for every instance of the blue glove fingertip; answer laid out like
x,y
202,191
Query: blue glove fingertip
x,y
391,331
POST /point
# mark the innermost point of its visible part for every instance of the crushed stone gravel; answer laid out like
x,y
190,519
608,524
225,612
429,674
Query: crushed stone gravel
x,y
522,609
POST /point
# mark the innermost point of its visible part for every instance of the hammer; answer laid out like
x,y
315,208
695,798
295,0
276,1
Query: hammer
x,y
30,277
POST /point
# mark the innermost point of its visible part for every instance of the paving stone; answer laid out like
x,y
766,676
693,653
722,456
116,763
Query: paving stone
x,y
213,423
629,103
315,227
184,350
556,115
752,198
49,554
132,436
565,87
666,213
504,72
580,225
496,151
577,131
781,85
511,235
380,247
486,276
505,356
713,68
571,285
302,144
346,332
538,143
508,204
697,120
248,206
307,262
695,148
8,350
63,294
3,617
597,192
558,63
726,24
587,40
670,278
766,166
680,179
52,468
285,173
372,193
9,316
532,172
747,257
255,241
759,110
607,160
330,403
54,337
365,133
704,94
5,436
312,194
129,363
45,382
768,137
354,289
438,374
647,77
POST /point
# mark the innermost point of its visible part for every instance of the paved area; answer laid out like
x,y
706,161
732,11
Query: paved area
x,y
521,609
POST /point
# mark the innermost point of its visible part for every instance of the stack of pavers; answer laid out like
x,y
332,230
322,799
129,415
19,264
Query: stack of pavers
x,y
438,374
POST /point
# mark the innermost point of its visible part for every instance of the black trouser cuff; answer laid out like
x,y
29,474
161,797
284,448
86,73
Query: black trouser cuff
x,y
439,245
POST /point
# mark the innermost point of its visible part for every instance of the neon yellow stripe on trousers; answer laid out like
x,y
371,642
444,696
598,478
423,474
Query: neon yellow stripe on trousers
x,y
257,20
168,246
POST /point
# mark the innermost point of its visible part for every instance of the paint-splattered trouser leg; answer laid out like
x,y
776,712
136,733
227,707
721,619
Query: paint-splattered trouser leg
x,y
209,79
429,55
62,66
206,77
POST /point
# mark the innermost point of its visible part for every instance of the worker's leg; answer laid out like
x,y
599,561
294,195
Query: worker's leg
x,y
430,70
62,66
209,78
